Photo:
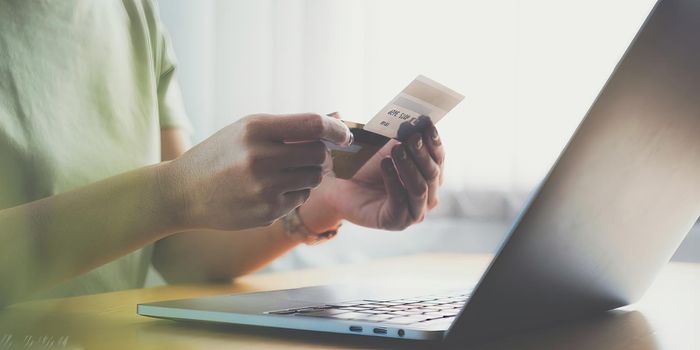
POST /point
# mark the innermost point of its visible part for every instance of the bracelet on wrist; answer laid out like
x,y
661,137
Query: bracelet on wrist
x,y
294,227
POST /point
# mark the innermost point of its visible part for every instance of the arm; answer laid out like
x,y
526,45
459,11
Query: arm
x,y
392,191
214,255
55,238
209,187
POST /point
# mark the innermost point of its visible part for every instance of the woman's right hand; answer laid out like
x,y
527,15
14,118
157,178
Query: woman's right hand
x,y
251,172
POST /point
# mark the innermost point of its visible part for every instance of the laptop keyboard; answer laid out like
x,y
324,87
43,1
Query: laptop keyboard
x,y
404,311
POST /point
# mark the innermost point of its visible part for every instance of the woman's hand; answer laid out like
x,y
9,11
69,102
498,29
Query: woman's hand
x,y
395,189
252,172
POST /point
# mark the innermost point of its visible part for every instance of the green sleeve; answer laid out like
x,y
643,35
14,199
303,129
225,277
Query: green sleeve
x,y
171,107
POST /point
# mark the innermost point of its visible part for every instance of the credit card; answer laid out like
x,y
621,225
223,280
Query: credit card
x,y
423,100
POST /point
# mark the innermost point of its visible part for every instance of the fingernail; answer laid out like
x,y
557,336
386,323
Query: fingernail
x,y
435,136
349,137
419,143
400,153
332,114
387,164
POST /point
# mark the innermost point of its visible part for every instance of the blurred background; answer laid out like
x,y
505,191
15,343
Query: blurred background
x,y
529,71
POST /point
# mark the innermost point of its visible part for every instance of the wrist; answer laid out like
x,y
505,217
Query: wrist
x,y
295,227
318,213
171,197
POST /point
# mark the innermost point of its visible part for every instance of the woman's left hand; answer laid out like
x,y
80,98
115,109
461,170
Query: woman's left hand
x,y
393,190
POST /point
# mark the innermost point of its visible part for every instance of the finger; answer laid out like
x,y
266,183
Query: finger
x,y
292,200
327,166
413,181
424,161
296,155
336,115
396,197
426,165
433,142
302,127
291,180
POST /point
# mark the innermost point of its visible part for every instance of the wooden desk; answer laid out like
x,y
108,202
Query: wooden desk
x,y
667,318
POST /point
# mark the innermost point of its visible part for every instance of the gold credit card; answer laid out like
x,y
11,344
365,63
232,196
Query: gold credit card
x,y
348,160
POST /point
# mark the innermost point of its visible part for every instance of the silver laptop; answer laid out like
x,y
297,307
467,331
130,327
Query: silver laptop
x,y
611,212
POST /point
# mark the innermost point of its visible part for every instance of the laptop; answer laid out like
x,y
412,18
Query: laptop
x,y
610,213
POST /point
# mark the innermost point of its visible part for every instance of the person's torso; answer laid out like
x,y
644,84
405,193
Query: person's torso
x,y
78,103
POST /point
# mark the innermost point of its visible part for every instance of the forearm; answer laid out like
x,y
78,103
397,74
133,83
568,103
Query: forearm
x,y
59,237
224,255
219,255
194,256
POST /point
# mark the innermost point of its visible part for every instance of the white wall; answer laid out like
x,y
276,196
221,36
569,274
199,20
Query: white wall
x,y
529,69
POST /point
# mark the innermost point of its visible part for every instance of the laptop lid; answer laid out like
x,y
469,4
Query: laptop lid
x,y
620,199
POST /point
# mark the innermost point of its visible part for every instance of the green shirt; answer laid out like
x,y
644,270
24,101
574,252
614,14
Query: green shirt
x,y
85,87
